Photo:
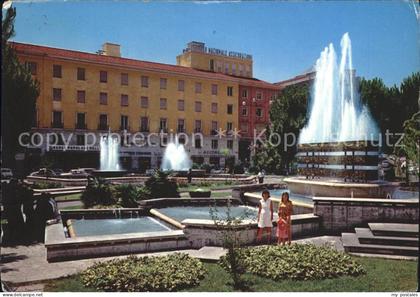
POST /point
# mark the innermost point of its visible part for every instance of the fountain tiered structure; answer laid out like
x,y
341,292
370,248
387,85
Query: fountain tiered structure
x,y
338,150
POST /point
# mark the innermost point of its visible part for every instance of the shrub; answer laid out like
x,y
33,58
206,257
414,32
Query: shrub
x,y
97,192
296,262
155,274
46,185
128,195
160,186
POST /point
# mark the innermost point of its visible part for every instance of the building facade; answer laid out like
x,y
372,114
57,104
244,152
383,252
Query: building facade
x,y
86,95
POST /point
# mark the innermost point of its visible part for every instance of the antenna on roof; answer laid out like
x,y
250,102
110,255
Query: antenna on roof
x,y
100,52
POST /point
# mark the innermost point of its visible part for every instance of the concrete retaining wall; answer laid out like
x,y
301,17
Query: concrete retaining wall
x,y
204,233
343,214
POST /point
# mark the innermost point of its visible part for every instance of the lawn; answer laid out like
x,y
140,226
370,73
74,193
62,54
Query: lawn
x,y
209,186
68,197
382,275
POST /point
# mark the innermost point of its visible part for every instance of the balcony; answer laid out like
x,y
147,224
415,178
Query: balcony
x,y
144,129
198,130
57,125
103,127
181,130
122,128
81,126
163,130
214,132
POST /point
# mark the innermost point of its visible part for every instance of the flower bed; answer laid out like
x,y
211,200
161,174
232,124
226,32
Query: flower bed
x,y
153,274
297,262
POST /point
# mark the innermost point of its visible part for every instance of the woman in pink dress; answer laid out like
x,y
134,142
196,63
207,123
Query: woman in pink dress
x,y
284,222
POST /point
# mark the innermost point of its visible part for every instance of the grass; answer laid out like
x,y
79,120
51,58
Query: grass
x,y
72,207
382,275
68,197
209,186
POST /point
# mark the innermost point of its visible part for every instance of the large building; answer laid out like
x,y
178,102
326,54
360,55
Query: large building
x,y
205,99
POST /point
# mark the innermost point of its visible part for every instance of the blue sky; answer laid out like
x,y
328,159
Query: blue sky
x,y
285,38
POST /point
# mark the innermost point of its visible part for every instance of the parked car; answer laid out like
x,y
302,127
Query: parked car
x,y
150,172
75,173
6,173
58,171
44,172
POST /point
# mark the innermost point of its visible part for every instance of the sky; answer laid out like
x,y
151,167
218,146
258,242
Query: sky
x,y
284,37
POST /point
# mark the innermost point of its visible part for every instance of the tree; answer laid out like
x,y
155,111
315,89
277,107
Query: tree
x,y
19,93
392,106
288,115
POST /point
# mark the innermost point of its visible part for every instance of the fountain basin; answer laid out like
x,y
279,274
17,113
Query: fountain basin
x,y
336,188
109,173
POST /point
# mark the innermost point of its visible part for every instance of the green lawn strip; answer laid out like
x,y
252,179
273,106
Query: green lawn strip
x,y
72,207
68,197
382,275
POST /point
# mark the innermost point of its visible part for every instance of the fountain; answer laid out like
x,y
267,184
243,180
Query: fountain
x,y
109,158
109,154
175,158
338,149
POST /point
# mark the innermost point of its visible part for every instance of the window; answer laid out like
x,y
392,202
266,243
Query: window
x,y
103,122
214,89
181,125
81,96
241,69
81,73
214,144
212,65
144,102
197,106
197,142
234,69
229,126
214,107
163,103
226,68
229,91
124,122
163,83
229,144
259,95
103,98
230,108
181,85
259,112
80,139
197,126
57,71
181,139
244,111
32,67
144,124
103,76
56,94
57,119
219,66
124,79
244,93
144,81
181,105
81,120
244,127
198,87
124,100
214,127
163,125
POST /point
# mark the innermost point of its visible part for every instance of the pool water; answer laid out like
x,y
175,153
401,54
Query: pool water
x,y
94,227
294,197
180,213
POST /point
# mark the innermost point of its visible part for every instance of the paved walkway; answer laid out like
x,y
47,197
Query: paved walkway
x,y
25,266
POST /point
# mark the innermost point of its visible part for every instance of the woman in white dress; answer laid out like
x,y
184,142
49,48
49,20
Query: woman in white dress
x,y
265,216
